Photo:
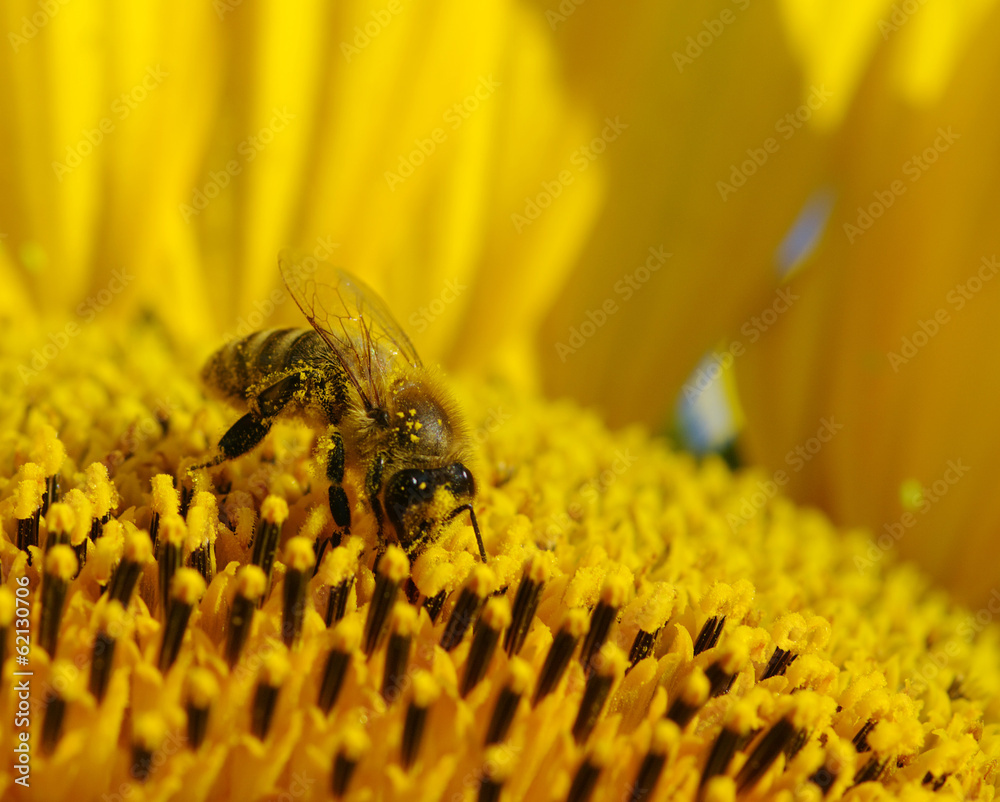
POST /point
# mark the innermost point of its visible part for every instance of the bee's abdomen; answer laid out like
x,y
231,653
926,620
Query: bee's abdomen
x,y
241,364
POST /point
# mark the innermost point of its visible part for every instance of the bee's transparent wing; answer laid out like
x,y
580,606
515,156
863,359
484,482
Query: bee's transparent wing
x,y
354,322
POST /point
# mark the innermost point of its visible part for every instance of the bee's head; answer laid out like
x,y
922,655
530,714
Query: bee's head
x,y
412,508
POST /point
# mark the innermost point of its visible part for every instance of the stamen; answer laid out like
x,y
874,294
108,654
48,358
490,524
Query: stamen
x,y
871,771
860,740
434,604
186,589
60,566
495,618
202,519
588,773
273,513
52,722
60,521
113,624
607,668
692,696
765,753
27,510
166,501
777,665
337,571
103,497
174,532
150,732
722,752
202,688
272,674
250,585
824,778
560,653
345,641
393,569
496,769
723,671
138,552
529,592
709,635
664,733
613,596
642,646
299,561
425,692
83,514
8,607
508,700
479,585
397,652
352,749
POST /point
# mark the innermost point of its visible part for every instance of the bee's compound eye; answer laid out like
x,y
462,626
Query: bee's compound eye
x,y
460,480
407,489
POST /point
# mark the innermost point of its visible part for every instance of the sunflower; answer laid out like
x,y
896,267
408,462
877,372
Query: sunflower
x,y
647,624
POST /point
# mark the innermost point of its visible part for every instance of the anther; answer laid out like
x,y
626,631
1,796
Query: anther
x,y
508,700
587,775
425,693
60,521
174,532
299,559
642,646
337,571
273,513
652,764
102,658
824,778
860,740
50,454
434,603
608,667
186,588
345,640
496,768
723,671
495,618
397,652
102,495
138,552
560,653
478,586
166,501
352,749
202,688
709,635
779,662
393,569
56,702
150,732
689,701
27,509
202,518
272,674
250,585
8,606
765,753
529,592
60,566
83,513
613,596
871,771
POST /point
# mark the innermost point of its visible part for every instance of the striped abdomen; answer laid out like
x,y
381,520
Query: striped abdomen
x,y
256,360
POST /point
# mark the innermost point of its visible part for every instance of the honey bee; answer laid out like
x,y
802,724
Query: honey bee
x,y
356,376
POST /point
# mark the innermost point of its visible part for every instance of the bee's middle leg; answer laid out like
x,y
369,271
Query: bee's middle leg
x,y
373,485
339,507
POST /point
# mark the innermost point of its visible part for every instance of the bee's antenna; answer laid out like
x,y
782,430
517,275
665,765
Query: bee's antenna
x,y
475,526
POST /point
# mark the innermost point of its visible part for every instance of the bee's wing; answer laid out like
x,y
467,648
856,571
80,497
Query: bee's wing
x,y
354,322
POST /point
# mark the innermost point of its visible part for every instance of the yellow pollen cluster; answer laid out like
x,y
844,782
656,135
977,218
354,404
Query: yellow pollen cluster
x,y
188,638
